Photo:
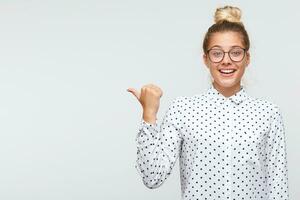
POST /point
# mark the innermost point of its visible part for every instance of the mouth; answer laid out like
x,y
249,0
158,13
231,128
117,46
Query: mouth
x,y
227,72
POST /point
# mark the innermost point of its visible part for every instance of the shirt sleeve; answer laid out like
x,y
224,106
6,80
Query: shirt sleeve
x,y
277,168
158,147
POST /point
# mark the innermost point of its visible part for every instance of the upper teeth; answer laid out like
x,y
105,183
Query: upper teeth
x,y
227,70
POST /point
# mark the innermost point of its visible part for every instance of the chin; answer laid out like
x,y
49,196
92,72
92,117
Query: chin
x,y
227,83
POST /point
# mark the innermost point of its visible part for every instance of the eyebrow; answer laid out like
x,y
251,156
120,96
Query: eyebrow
x,y
221,46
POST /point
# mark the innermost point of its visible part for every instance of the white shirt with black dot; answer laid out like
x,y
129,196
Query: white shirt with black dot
x,y
229,148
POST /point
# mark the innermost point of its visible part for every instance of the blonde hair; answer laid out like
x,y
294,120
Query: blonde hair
x,y
228,13
227,18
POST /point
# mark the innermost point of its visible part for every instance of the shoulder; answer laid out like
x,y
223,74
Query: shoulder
x,y
178,102
266,106
182,102
187,100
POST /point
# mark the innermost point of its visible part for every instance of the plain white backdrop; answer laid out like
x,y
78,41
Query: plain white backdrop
x,y
67,123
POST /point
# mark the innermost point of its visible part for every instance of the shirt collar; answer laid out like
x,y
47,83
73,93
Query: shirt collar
x,y
236,98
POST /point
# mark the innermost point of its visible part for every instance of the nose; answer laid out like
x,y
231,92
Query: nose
x,y
226,58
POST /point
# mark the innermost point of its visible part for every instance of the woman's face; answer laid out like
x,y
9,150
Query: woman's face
x,y
226,73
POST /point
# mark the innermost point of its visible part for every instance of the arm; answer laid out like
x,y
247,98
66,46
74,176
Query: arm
x,y
158,148
276,157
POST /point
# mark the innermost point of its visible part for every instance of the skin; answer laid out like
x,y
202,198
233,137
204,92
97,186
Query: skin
x,y
150,94
149,98
227,86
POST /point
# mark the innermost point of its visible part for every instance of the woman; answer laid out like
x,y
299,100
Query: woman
x,y
230,145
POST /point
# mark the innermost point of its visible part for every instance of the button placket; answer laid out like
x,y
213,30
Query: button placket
x,y
228,118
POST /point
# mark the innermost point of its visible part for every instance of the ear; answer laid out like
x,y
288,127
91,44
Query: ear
x,y
248,58
205,59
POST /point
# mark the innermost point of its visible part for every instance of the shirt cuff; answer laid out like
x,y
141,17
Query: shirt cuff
x,y
143,122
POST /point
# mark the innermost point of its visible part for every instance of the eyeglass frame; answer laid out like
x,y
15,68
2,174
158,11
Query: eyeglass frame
x,y
224,52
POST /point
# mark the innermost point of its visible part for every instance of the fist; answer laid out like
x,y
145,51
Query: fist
x,y
149,98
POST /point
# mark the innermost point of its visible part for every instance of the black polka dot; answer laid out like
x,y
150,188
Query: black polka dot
x,y
228,148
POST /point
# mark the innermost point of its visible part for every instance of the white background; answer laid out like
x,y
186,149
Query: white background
x,y
67,123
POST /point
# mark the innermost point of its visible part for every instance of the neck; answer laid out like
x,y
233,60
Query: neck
x,y
227,91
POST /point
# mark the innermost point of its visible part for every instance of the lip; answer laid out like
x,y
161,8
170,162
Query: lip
x,y
227,75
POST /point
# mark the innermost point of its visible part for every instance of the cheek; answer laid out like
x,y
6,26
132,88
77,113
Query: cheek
x,y
242,70
213,66
213,69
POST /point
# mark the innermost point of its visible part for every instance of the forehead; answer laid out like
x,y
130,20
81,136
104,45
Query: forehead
x,y
225,40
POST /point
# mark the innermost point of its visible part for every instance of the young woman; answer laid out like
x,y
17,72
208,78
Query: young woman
x,y
230,145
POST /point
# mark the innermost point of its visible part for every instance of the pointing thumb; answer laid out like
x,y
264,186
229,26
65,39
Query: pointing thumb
x,y
134,92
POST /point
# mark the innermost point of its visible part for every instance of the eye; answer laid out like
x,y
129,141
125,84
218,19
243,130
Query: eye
x,y
216,53
236,52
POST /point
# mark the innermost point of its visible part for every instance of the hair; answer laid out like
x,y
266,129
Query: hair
x,y
227,18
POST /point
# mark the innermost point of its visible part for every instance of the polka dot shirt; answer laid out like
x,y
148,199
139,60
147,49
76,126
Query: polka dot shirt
x,y
228,148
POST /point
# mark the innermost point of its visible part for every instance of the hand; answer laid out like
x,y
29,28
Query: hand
x,y
149,98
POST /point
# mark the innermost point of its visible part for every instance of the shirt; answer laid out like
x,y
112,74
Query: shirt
x,y
229,148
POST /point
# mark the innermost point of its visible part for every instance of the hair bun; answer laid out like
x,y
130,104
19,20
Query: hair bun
x,y
228,13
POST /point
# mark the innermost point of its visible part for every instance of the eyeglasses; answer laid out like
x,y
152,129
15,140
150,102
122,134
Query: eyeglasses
x,y
236,54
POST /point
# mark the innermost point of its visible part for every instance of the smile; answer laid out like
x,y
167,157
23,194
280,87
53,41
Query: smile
x,y
227,71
